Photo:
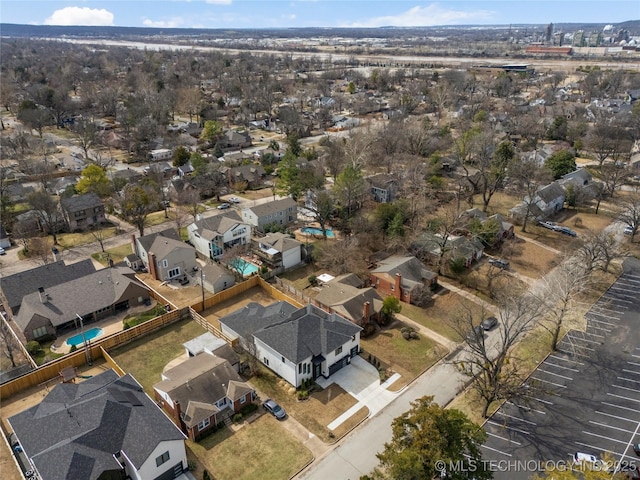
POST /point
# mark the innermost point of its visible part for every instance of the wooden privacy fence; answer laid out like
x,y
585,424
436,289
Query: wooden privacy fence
x,y
200,320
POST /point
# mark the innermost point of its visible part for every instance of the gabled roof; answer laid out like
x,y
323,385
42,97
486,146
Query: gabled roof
x,y
163,246
410,268
214,272
78,203
203,379
550,192
308,332
279,241
209,228
76,429
250,173
272,207
147,241
253,317
80,296
348,300
16,286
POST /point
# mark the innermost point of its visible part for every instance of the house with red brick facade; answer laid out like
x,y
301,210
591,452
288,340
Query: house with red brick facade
x,y
405,278
201,393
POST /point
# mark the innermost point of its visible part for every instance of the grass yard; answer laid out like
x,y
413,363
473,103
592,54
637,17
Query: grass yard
x,y
437,316
527,258
70,240
156,218
317,412
117,254
146,357
262,449
299,278
409,358
257,194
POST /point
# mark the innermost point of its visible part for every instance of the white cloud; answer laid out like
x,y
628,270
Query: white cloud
x,y
427,16
220,2
172,23
80,16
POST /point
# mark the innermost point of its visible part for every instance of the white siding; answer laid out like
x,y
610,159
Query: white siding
x,y
291,257
286,369
149,470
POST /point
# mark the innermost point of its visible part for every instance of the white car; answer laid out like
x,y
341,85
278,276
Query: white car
x,y
234,200
628,230
579,457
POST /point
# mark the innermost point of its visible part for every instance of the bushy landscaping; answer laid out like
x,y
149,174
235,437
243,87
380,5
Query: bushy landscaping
x,y
132,320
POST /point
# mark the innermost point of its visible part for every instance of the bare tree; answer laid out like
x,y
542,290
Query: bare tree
x,y
9,344
490,365
598,250
529,177
40,249
630,213
48,212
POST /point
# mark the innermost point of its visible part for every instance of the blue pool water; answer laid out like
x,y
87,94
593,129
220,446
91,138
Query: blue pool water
x,y
242,266
317,231
89,335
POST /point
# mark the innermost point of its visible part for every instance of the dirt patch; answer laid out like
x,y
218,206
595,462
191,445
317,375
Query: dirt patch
x,y
527,258
255,294
179,295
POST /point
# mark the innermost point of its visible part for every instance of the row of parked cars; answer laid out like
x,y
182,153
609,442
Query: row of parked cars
x,y
558,228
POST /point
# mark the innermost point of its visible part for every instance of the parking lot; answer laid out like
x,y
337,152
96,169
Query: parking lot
x,y
584,398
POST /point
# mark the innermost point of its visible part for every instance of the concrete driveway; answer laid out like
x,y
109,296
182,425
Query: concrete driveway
x,y
362,381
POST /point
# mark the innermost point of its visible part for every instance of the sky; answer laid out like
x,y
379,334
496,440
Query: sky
x,y
312,13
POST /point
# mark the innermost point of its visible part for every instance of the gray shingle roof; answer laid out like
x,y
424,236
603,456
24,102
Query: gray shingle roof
x,y
78,203
16,286
80,296
273,207
74,431
147,240
280,241
348,300
307,332
410,268
209,228
253,317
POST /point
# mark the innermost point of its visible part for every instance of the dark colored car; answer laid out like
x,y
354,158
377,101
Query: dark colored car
x,y
476,335
636,449
488,323
274,409
503,264
567,231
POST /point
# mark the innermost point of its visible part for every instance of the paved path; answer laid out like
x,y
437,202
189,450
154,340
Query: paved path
x,y
540,244
427,332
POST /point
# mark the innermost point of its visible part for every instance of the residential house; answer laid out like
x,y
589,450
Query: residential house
x,y
216,278
165,255
212,345
582,184
103,428
160,154
49,311
185,170
547,201
214,235
303,345
233,140
253,176
17,286
179,190
402,277
428,247
5,242
83,211
201,392
504,229
383,187
345,295
278,250
281,212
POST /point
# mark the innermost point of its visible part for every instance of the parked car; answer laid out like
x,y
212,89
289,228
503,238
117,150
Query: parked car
x,y
636,449
488,323
476,334
2,251
579,457
550,225
503,264
274,409
628,230
234,200
223,206
567,231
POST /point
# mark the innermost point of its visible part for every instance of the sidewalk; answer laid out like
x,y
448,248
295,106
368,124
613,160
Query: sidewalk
x,y
486,305
427,332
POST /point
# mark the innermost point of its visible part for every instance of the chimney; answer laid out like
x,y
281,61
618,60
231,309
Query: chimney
x,y
133,243
43,296
398,287
366,311
177,413
153,268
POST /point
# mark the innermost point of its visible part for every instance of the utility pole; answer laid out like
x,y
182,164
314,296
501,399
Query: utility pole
x,y
202,286
87,353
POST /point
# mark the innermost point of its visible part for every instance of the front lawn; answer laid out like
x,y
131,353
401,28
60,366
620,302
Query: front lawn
x,y
156,218
70,240
116,254
262,449
409,358
315,413
146,357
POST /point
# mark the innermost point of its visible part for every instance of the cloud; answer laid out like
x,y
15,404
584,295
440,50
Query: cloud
x,y
427,16
220,2
172,23
80,16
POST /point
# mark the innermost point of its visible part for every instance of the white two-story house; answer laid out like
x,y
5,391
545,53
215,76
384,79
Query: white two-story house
x,y
212,236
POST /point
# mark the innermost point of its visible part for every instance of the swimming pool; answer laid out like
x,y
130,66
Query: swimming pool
x,y
89,335
242,266
317,231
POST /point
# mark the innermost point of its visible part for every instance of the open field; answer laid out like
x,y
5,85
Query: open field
x,y
262,449
146,358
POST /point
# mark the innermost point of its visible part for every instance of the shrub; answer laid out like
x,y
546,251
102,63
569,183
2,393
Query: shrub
x,y
303,394
313,280
73,348
33,347
406,335
248,409
206,476
237,417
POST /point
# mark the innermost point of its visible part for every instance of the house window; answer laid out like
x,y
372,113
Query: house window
x,y
338,350
165,263
174,272
162,459
203,424
300,368
353,338
282,359
265,360
243,399
39,332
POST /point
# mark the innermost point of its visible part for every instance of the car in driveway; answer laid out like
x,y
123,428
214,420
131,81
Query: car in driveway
x,y
234,200
488,323
476,334
550,225
496,262
223,206
2,251
274,409
567,231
